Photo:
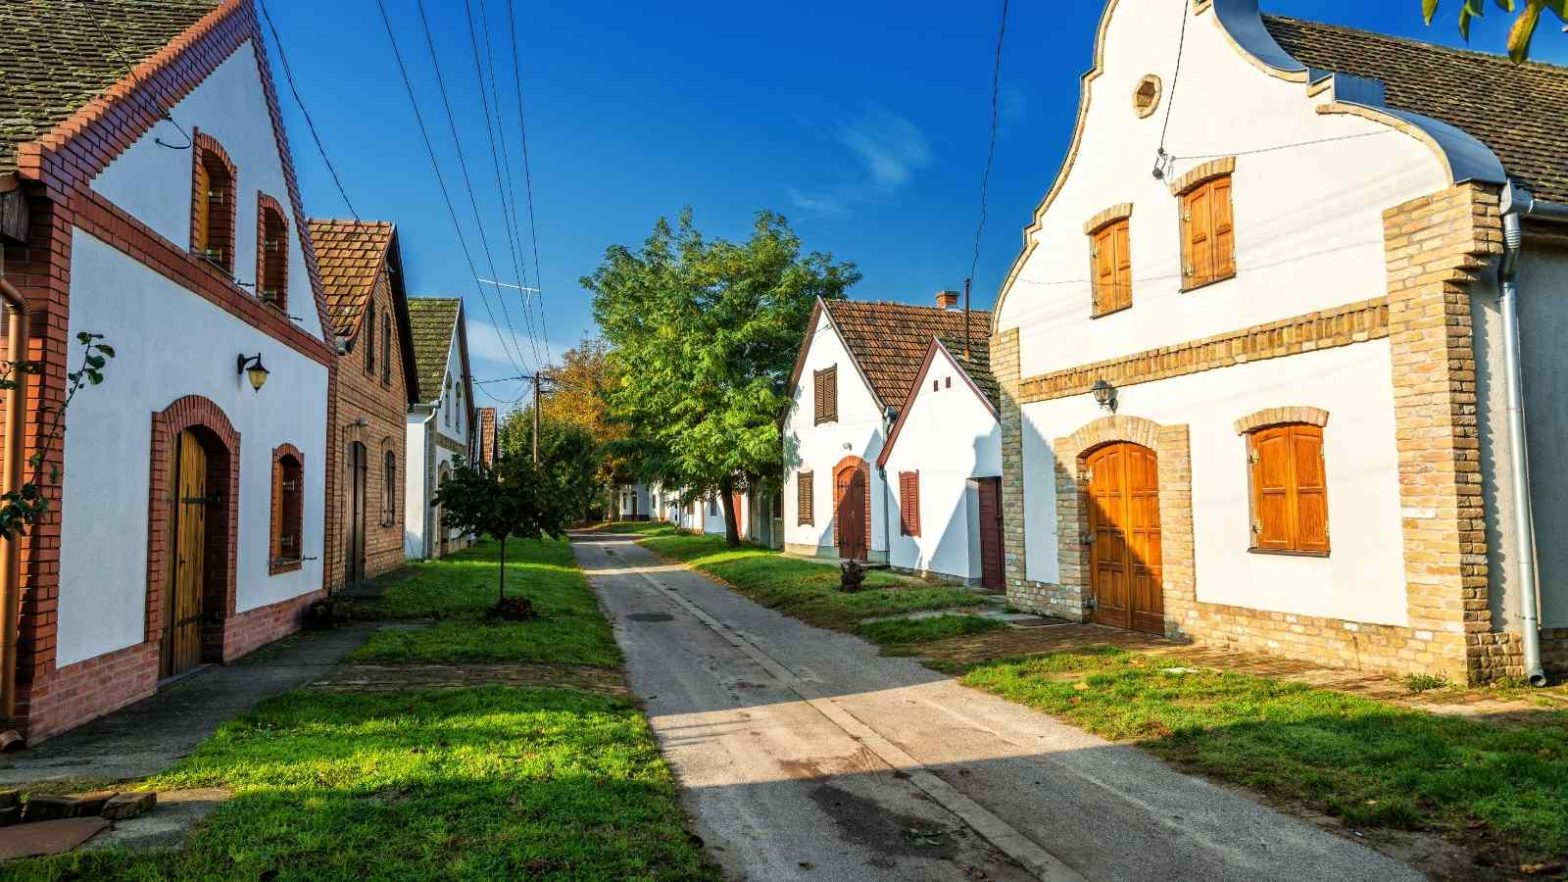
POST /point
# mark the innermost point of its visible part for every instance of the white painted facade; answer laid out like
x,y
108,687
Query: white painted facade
x,y
633,502
171,343
440,431
949,435
859,431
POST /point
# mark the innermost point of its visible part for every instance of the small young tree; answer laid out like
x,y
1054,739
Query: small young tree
x,y
512,498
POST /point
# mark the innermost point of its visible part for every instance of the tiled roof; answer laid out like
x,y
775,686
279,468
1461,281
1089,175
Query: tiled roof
x,y
1518,110
432,320
977,366
60,55
351,255
889,340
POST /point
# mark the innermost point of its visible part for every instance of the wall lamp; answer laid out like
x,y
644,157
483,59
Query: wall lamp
x,y
254,370
1104,394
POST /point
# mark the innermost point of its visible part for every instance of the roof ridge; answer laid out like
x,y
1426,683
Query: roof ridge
x,y
902,305
1478,54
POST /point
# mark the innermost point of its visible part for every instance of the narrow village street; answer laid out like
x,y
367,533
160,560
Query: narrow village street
x,y
804,754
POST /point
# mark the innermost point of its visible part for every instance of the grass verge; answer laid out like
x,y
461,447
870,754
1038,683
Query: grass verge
x,y
457,592
902,636
805,589
1498,787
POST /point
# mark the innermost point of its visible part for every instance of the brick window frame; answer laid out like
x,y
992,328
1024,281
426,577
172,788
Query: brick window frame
x,y
909,503
805,499
272,253
824,387
286,535
214,202
1287,481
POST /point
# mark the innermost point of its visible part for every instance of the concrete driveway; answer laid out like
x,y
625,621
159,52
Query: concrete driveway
x,y
804,754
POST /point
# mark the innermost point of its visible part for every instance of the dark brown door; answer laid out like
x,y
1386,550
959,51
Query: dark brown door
x,y
849,502
992,577
358,480
182,641
1124,532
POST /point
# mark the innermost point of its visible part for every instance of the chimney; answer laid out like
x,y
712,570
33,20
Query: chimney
x,y
487,427
947,299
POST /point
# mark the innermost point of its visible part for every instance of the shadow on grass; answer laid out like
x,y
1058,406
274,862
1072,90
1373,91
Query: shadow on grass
x,y
487,783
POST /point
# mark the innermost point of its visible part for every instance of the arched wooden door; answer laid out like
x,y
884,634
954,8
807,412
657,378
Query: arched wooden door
x,y
181,648
1124,531
850,493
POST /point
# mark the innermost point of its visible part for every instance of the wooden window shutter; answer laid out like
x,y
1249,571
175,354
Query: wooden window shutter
x,y
826,395
805,498
277,509
370,338
1208,233
1112,283
202,207
1121,237
1289,489
909,503
1223,230
386,351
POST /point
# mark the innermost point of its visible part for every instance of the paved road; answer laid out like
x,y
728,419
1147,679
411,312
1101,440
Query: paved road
x,y
803,754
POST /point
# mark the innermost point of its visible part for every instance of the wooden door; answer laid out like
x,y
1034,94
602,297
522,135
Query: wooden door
x,y
992,575
849,503
1124,533
358,481
181,649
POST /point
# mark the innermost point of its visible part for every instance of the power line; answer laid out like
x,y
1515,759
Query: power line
x,y
462,164
528,176
435,165
1162,161
990,151
288,76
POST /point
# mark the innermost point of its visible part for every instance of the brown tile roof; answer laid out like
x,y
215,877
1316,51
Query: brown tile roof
x,y
889,340
351,255
60,55
1517,110
432,321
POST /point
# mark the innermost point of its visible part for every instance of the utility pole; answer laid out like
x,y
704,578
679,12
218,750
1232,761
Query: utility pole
x,y
967,355
537,380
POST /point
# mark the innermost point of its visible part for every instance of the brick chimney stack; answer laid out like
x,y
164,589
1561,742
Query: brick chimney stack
x,y
487,427
947,299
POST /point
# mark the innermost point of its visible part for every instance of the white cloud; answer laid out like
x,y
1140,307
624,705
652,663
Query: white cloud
x,y
887,148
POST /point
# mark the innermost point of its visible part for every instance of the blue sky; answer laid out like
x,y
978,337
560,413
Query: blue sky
x,y
863,121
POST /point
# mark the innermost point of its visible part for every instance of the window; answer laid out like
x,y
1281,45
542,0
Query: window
x,y
213,204
389,489
1289,489
448,405
386,351
272,253
826,399
909,503
805,499
1146,97
713,506
1110,253
288,496
370,338
1208,239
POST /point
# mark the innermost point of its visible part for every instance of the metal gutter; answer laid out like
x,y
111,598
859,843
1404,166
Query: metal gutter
x,y
10,480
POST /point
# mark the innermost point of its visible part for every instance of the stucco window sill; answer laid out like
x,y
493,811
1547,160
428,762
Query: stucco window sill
x,y
1274,552
1207,283
280,569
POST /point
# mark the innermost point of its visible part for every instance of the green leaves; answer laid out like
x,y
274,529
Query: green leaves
x,y
1524,27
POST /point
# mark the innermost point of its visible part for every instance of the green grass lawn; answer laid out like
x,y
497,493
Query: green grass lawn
x,y
805,589
1499,787
458,590
902,636
638,528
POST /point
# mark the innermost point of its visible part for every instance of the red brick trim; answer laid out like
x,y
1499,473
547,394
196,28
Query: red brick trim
x,y
222,229
265,204
257,627
273,566
852,462
223,457
90,688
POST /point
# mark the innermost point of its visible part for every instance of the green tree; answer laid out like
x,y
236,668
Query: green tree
x,y
703,334
571,460
1526,21
513,498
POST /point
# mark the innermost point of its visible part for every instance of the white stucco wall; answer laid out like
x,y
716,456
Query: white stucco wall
x,y
859,431
1303,215
1363,577
1543,325
153,182
170,343
416,487
950,436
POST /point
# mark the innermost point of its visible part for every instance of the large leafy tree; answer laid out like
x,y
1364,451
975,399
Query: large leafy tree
x,y
579,396
570,458
1527,19
703,334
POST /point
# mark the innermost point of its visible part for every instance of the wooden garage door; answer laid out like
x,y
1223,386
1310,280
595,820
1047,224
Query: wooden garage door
x,y
1124,524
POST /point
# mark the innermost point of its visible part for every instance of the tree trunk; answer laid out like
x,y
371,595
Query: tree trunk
x,y
502,589
731,517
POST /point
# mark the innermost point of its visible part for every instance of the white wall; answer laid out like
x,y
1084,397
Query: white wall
x,y
452,410
1305,214
153,182
1363,579
170,343
1543,325
859,431
949,435
417,488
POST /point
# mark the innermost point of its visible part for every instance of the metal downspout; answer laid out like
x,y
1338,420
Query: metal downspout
x,y
11,468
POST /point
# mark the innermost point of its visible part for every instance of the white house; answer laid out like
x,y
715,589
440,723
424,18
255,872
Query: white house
x,y
855,368
1256,352
441,426
157,206
943,459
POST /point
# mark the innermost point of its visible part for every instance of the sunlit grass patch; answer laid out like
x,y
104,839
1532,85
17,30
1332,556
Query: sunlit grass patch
x,y
899,635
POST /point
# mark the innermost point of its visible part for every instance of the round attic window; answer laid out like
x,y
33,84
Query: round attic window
x,y
1146,97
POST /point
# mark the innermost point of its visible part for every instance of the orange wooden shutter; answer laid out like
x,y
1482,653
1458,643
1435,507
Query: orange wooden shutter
x,y
1102,253
1271,489
1223,233
1311,486
1121,238
805,498
277,509
909,502
203,209
1199,242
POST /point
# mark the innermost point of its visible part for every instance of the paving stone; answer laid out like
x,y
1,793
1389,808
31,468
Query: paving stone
x,y
47,837
125,806
10,798
88,804
50,807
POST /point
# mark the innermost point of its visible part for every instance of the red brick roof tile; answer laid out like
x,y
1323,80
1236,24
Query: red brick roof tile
x,y
889,340
351,255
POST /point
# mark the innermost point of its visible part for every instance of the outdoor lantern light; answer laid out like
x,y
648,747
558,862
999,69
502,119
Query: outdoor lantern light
x,y
1104,395
254,370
